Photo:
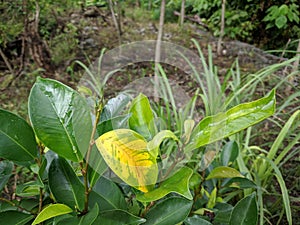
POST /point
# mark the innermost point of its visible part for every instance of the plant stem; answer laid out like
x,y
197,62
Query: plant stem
x,y
39,162
147,209
13,204
84,169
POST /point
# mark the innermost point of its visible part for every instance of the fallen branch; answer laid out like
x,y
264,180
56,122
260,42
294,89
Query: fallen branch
x,y
195,19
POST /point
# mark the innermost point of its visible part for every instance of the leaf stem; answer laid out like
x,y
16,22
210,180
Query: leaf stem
x,y
84,169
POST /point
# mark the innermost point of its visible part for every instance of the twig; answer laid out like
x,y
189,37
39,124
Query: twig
x,y
6,61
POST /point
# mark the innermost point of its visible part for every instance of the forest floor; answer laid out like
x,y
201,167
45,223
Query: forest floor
x,y
83,38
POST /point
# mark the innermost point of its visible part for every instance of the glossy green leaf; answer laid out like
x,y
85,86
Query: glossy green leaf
x,y
240,182
126,153
30,204
112,124
66,221
172,210
6,169
107,195
17,140
245,211
15,218
114,106
217,127
60,118
142,119
90,217
87,219
196,220
118,217
153,145
222,213
229,153
51,211
31,188
223,172
177,183
65,185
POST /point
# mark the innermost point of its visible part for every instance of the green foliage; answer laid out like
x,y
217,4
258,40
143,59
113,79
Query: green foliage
x,y
281,16
70,183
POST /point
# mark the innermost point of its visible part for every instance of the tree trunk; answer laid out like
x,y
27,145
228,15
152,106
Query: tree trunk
x,y
219,48
182,12
38,49
158,48
117,25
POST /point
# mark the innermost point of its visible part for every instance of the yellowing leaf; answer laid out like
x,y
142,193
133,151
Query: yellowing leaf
x,y
126,153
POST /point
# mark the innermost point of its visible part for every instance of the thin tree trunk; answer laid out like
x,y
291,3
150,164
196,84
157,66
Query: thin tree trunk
x,y
111,7
219,48
158,48
182,12
296,63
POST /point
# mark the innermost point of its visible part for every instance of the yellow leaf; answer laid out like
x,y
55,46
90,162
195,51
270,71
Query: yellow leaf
x,y
126,153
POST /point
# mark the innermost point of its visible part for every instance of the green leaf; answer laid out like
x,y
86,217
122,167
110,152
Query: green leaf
x,y
172,210
17,140
214,128
245,211
177,183
212,199
96,167
87,219
229,153
114,106
90,218
67,221
15,218
142,119
223,172
240,182
107,195
118,217
60,118
222,213
112,124
125,152
65,185
196,220
283,9
31,188
281,21
6,169
188,128
51,211
153,145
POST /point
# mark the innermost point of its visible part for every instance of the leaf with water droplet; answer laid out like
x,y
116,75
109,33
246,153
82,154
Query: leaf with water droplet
x,y
60,118
217,127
